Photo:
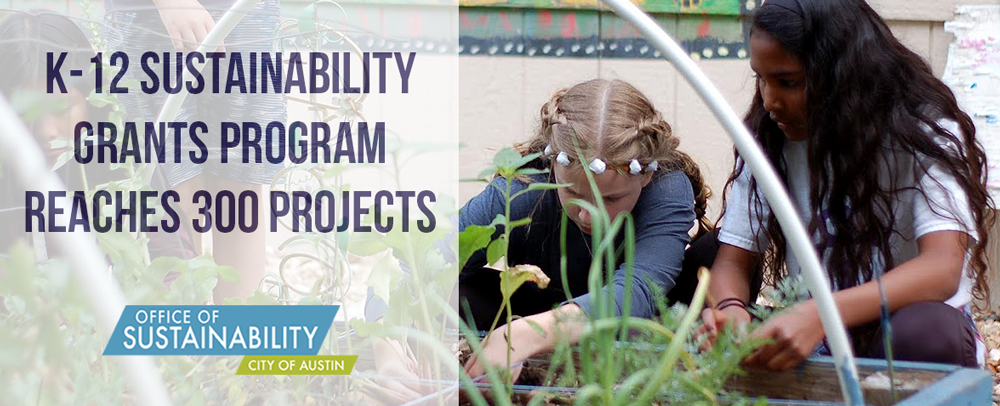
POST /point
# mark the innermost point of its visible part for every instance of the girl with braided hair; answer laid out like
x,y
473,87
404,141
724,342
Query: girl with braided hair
x,y
638,169
885,171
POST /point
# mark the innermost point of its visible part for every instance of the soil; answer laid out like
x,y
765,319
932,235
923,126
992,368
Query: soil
x,y
534,373
531,374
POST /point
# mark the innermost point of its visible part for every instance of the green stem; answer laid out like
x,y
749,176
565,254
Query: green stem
x,y
887,339
415,268
506,291
612,324
666,366
587,392
491,373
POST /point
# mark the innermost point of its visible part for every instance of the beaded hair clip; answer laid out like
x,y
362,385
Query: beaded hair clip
x,y
598,166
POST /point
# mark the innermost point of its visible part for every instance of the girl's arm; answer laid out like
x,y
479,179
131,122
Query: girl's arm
x,y
741,240
530,335
663,216
731,273
933,275
731,276
481,210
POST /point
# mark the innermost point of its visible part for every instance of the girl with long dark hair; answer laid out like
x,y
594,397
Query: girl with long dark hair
x,y
886,173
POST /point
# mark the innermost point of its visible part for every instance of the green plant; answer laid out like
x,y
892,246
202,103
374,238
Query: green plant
x,y
785,292
619,360
50,341
507,164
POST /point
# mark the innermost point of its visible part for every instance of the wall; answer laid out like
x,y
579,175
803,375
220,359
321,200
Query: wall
x,y
500,95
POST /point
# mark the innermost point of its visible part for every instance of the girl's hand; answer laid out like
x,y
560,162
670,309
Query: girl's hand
x,y
187,23
398,372
794,334
713,321
524,342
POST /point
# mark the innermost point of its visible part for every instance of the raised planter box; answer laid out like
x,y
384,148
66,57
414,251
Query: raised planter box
x,y
815,383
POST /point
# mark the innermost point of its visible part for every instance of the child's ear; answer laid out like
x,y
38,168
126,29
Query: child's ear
x,y
646,178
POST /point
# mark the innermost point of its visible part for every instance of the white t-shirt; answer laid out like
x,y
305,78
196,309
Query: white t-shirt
x,y
945,207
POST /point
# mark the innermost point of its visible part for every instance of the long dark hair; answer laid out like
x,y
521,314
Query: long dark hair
x,y
26,37
870,99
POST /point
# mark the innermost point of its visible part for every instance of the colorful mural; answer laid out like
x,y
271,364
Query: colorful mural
x,y
563,32
718,7
532,28
556,28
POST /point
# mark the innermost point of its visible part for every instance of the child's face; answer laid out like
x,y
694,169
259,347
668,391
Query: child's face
x,y
619,191
781,80
69,109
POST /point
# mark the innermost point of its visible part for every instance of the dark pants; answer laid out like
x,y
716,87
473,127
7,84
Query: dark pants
x,y
480,288
925,332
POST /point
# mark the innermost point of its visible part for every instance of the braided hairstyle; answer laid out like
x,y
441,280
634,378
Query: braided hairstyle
x,y
614,121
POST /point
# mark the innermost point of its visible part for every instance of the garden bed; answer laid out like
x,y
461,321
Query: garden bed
x,y
814,382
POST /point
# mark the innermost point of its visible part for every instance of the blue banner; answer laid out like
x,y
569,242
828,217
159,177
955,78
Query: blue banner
x,y
221,330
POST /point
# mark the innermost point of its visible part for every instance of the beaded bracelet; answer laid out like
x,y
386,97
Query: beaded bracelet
x,y
729,302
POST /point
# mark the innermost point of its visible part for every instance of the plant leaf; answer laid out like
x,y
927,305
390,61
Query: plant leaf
x,y
343,239
122,248
63,159
385,276
497,249
517,223
540,186
310,300
547,186
101,99
535,326
365,329
228,273
508,158
472,239
518,275
531,171
500,219
259,298
486,173
366,244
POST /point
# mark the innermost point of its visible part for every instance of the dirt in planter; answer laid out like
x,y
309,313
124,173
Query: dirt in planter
x,y
814,381
531,374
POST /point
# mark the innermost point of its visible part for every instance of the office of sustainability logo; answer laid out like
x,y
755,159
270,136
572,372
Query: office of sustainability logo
x,y
273,340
